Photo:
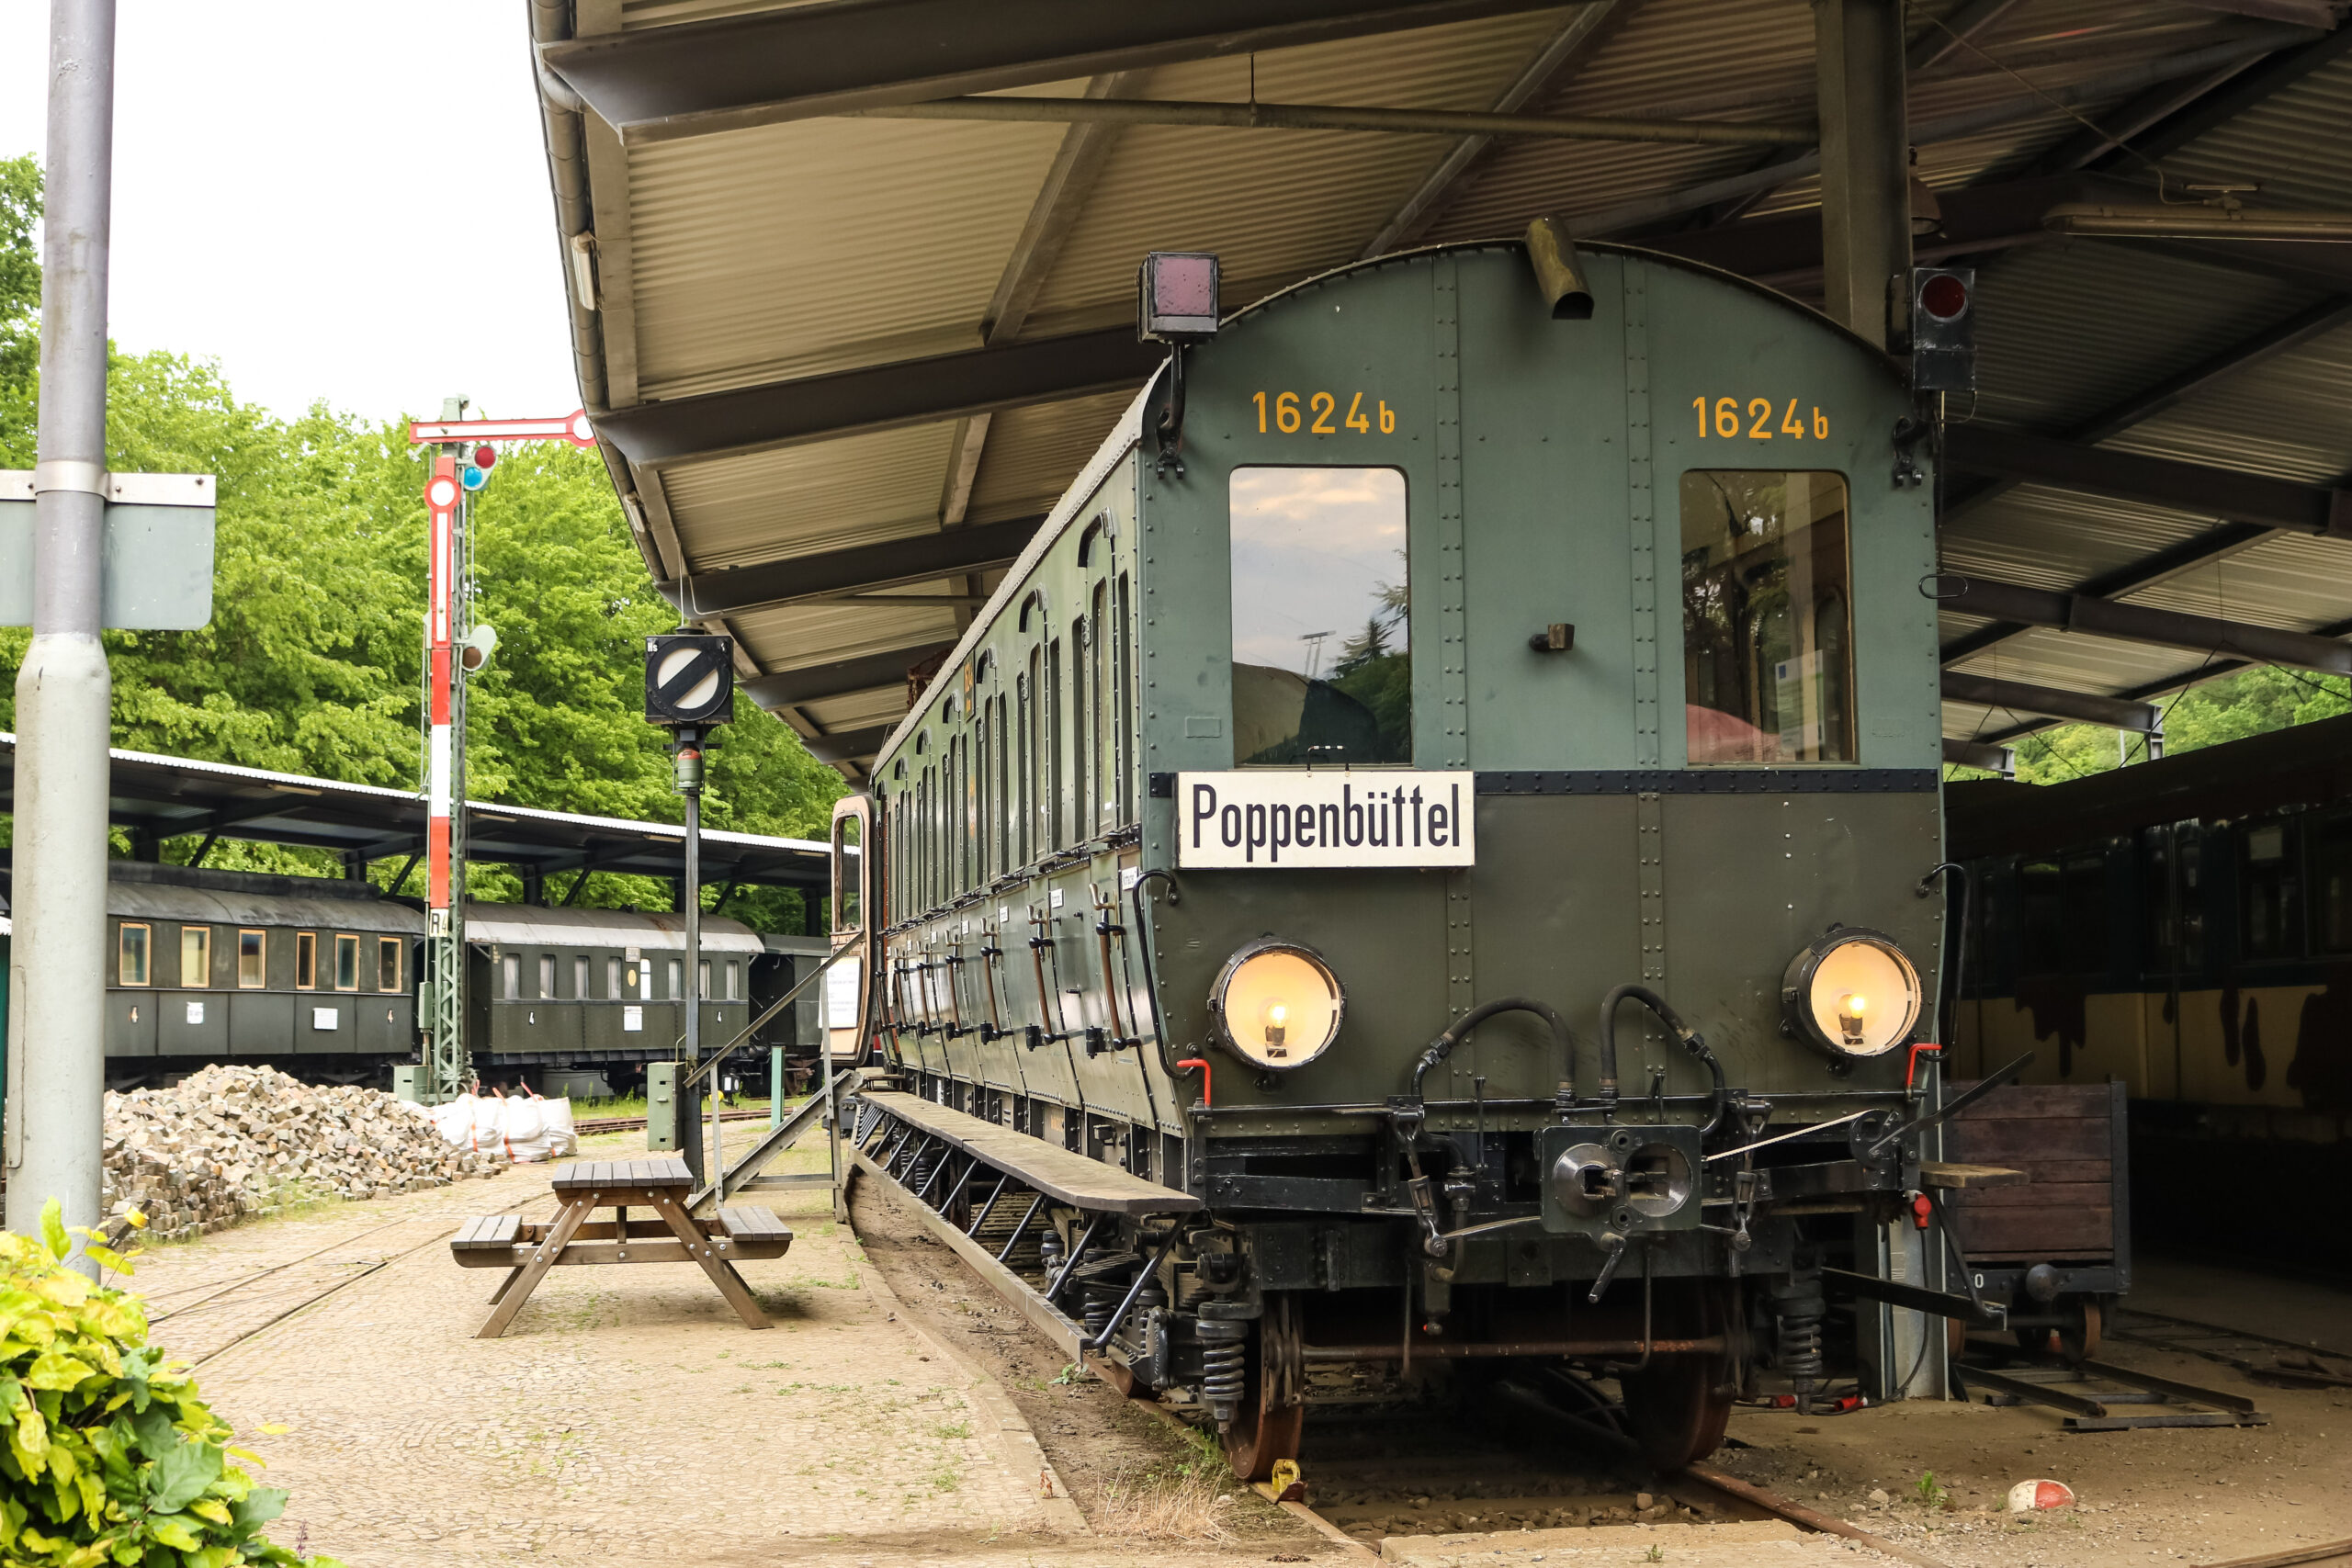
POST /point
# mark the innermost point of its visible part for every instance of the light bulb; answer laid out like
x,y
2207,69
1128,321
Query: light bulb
x,y
1277,1022
1850,1007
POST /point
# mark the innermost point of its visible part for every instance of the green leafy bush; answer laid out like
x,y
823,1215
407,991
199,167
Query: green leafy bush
x,y
110,1455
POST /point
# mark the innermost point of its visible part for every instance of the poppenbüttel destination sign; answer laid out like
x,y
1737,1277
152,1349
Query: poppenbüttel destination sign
x,y
1281,817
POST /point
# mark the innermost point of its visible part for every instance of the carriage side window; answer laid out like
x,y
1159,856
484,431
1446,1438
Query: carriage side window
x,y
346,963
387,965
252,955
1084,640
131,955
1051,800
1767,639
1322,657
677,978
848,915
2331,885
1033,803
196,956
2270,891
734,979
2062,916
1103,805
702,980
580,978
510,971
547,974
306,960
1123,701
613,978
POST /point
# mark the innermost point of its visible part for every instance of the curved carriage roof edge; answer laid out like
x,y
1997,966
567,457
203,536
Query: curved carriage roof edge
x,y
1128,431
534,925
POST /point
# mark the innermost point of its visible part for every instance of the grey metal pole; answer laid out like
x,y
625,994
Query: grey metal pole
x,y
57,1051
690,745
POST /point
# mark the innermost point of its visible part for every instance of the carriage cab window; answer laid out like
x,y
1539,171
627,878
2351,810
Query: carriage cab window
x,y
387,963
1322,665
1767,627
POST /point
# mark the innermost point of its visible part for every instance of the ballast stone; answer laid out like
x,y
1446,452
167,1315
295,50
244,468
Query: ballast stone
x,y
229,1142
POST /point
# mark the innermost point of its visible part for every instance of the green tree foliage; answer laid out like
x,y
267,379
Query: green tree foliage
x,y
110,1456
19,302
2252,702
311,662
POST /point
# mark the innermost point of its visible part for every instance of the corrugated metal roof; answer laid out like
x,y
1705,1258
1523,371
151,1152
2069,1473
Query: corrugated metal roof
x,y
826,244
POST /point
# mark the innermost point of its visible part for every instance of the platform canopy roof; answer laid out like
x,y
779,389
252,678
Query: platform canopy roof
x,y
155,798
852,282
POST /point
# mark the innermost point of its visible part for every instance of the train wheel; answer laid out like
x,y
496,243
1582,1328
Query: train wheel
x,y
2074,1340
1678,1405
1273,1412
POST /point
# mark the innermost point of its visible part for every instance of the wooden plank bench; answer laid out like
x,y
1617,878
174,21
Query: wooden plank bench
x,y
1060,1174
528,1249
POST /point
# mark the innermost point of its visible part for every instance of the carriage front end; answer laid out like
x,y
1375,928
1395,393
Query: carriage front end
x,y
1452,798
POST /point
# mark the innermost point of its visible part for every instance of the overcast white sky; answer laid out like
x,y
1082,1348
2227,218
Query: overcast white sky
x,y
334,200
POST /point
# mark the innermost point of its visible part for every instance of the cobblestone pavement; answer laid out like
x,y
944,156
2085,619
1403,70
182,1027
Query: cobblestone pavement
x,y
625,1417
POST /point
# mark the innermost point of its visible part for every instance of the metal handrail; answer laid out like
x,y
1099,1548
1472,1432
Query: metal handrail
x,y
710,1064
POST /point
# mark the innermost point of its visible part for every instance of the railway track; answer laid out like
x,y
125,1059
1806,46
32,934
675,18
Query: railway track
x,y
587,1126
1513,1462
229,1314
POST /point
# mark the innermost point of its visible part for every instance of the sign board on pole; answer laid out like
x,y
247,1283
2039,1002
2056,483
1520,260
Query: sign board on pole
x,y
157,569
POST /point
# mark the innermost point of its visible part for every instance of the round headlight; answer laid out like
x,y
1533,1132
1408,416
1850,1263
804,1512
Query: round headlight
x,y
1851,995
1278,1005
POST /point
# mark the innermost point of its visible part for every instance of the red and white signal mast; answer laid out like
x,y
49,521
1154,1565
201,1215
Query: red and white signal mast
x,y
454,647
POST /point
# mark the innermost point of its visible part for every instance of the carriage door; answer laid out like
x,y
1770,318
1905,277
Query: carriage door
x,y
846,1003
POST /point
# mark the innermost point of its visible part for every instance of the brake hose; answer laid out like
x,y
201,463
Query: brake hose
x,y
1443,1046
1690,1038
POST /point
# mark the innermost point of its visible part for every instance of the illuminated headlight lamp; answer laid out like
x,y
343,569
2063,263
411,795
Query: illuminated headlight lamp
x,y
1852,995
1277,1005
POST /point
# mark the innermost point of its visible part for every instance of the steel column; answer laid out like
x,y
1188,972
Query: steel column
x,y
65,690
1865,160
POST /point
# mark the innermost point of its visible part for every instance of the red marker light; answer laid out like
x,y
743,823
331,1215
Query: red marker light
x,y
485,457
441,492
1943,297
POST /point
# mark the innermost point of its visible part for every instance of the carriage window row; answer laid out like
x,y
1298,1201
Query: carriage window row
x,y
1041,758
623,979
135,944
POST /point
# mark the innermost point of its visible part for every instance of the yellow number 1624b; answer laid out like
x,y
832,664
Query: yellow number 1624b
x,y
1317,414
1730,419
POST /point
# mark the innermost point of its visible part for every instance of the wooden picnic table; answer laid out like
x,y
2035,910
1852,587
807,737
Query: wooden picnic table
x,y
528,1249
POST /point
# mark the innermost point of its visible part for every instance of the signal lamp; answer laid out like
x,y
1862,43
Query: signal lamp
x,y
1943,330
1176,297
441,492
478,645
473,478
1278,1006
1851,996
485,457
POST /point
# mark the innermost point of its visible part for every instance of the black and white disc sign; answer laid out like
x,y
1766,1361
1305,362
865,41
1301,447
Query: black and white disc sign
x,y
1272,820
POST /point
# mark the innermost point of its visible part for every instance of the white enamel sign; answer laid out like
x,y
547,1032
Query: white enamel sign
x,y
1279,818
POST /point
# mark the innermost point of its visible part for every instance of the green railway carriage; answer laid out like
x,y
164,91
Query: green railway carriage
x,y
1414,670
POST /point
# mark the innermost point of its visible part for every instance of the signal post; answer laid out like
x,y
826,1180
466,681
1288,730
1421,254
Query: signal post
x,y
454,647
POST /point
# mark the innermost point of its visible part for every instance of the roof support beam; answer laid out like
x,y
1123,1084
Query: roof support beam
x,y
2020,697
1958,125
1344,117
1998,760
2140,623
2245,91
814,682
2204,674
1943,38
880,396
840,56
1560,57
848,745
2154,482
856,570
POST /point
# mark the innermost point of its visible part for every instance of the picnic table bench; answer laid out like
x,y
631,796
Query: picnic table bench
x,y
526,1249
